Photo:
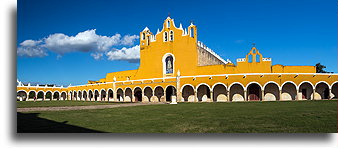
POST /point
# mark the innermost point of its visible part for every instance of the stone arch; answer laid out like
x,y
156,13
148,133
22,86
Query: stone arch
x,y
219,92
236,92
32,94
110,94
170,91
84,95
159,93
148,93
322,90
120,94
48,95
305,90
40,95
21,95
63,95
128,94
254,91
203,92
103,95
138,94
289,91
90,95
96,95
56,95
334,90
188,93
271,91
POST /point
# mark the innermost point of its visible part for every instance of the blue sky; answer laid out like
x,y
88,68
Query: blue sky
x,y
301,32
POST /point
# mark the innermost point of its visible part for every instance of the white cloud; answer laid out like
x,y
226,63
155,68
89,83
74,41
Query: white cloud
x,y
96,56
87,41
131,54
31,48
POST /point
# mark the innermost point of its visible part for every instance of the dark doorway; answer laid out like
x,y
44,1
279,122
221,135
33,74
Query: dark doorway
x,y
170,91
304,94
254,91
326,93
138,95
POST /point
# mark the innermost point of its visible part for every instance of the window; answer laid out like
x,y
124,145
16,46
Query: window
x,y
165,37
143,36
169,65
191,32
171,35
168,24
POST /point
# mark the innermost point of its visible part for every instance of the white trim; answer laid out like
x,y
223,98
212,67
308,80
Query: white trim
x,y
291,83
238,84
202,84
168,86
144,88
137,87
303,83
271,82
219,83
125,89
333,84
185,86
323,82
253,82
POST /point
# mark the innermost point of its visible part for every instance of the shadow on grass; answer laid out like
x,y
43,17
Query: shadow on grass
x,y
31,123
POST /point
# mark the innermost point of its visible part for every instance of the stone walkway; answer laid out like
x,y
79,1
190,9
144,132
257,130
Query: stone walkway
x,y
61,108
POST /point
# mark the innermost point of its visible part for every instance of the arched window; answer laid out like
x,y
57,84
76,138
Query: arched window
x,y
169,65
250,58
168,61
143,36
165,36
168,24
171,37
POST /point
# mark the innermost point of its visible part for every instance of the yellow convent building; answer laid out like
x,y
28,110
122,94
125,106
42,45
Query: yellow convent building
x,y
175,66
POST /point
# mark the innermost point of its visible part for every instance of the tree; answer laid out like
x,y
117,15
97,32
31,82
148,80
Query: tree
x,y
320,68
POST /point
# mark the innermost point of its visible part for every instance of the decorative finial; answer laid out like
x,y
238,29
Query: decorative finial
x,y
253,44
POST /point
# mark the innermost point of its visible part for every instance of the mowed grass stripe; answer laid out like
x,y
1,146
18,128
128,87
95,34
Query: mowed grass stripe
x,y
241,117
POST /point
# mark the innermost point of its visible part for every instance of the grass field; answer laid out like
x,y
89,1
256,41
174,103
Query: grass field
x,y
241,117
21,104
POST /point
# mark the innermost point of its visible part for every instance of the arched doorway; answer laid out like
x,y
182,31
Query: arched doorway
x,y
75,95
96,95
79,96
305,90
148,93
289,91
203,93
56,96
334,90
220,93
138,94
21,95
254,92
110,94
63,96
103,95
32,95
129,95
85,96
91,95
322,91
40,95
120,95
236,92
159,93
271,92
170,92
188,93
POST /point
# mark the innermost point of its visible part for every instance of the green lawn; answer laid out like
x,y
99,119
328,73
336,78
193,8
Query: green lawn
x,y
241,117
21,104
